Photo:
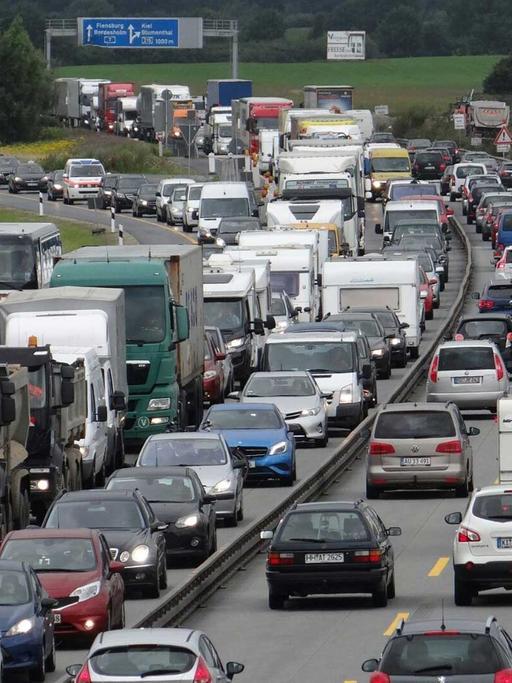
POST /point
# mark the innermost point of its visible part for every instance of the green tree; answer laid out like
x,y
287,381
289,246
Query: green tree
x,y
399,32
25,85
264,25
499,81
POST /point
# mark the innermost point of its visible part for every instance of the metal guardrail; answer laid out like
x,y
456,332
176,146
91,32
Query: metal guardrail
x,y
185,598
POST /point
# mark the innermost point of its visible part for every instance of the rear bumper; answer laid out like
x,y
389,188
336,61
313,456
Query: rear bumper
x,y
487,575
467,401
325,582
416,477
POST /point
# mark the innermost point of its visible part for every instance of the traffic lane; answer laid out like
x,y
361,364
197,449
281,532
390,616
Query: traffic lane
x,y
144,230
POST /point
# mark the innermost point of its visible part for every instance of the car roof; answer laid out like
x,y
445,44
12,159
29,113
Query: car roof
x,y
328,504
493,488
356,315
485,316
470,343
186,436
142,636
429,625
223,407
281,373
146,472
53,533
414,407
95,494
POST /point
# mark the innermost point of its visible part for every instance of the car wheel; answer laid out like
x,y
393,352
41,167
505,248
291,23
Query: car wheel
x,y
469,220
49,663
163,575
37,673
462,491
403,361
276,600
213,548
240,512
71,201
429,315
464,210
159,217
453,196
290,479
437,303
485,236
186,228
122,619
231,520
372,493
478,228
380,596
386,374
415,352
154,589
462,594
391,587
322,443
101,476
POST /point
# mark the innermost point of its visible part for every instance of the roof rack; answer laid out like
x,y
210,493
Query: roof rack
x,y
400,627
489,623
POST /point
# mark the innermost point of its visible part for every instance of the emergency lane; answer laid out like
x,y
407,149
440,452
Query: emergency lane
x,y
258,500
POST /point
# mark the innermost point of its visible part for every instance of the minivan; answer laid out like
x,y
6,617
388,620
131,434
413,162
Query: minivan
x,y
224,200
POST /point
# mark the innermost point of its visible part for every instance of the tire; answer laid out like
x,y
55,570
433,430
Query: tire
x,y
99,479
485,236
49,662
462,594
213,548
372,493
386,374
71,202
122,620
37,673
478,228
291,478
462,491
240,511
391,587
322,443
276,600
453,198
437,303
464,210
429,315
154,590
186,228
470,220
231,520
163,576
65,200
415,352
380,596
403,362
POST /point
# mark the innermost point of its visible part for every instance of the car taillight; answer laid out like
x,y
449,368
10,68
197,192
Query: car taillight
x,y
380,677
432,373
84,675
500,370
503,676
367,556
501,264
380,448
453,446
280,559
466,535
442,167
202,675
486,304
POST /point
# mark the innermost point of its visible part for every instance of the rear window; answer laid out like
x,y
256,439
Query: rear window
x,y
328,526
436,655
429,157
464,171
500,291
465,358
474,329
394,217
414,425
506,224
142,660
496,507
401,191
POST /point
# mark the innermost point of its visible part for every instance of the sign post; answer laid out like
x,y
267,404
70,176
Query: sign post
x,y
503,140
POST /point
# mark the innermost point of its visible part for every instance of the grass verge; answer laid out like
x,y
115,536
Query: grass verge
x,y
73,233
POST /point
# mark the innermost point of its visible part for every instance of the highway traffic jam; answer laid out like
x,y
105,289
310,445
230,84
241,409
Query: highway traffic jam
x,y
311,361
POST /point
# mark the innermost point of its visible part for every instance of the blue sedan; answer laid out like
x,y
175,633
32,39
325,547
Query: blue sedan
x,y
26,621
259,432
495,297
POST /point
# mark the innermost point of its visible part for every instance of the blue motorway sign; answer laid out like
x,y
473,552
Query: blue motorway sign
x,y
113,32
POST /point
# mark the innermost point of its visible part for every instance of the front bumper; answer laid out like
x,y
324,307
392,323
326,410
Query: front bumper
x,y
146,209
123,202
29,186
135,576
82,192
187,542
308,427
141,423
345,415
270,466
21,652
74,616
322,581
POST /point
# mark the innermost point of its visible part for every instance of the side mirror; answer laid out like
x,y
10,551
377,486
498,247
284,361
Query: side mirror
x,y
404,326
394,531
67,390
367,371
297,310
116,567
270,322
370,665
64,175
158,194
326,394
195,214
101,414
453,518
234,395
73,670
307,309
387,239
255,213
49,603
378,229
473,431
450,211
258,326
233,668
182,323
238,464
266,535
432,281
158,526
209,500
118,401
475,295
220,356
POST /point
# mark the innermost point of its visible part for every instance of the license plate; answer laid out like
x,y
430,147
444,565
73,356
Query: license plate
x,y
319,558
467,380
408,462
32,184
505,542
252,463
429,168
57,617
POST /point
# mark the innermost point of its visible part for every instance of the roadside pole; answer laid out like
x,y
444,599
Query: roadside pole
x,y
41,205
120,236
112,218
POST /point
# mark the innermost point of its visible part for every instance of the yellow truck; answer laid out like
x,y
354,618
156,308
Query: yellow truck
x,y
382,165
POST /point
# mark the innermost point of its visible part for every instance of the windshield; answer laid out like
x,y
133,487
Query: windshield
x,y
370,328
493,507
179,194
401,191
138,661
148,189
126,184
431,654
168,189
175,452
226,314
130,115
278,307
414,230
390,165
52,554
145,314
13,588
329,526
233,226
316,184
506,222
266,122
394,217
482,329
17,262
500,291
225,132
243,418
157,489
109,182
86,171
466,358
229,206
330,357
29,169
285,281
101,514
414,425
195,193
267,387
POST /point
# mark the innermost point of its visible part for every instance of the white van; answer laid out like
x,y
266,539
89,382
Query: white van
x,y
359,283
224,200
403,211
164,193
82,179
94,444
458,176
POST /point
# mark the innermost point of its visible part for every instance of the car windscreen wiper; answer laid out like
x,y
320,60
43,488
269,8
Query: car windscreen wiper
x,y
309,540
160,672
438,667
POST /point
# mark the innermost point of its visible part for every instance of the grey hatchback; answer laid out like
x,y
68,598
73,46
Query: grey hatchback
x,y
420,445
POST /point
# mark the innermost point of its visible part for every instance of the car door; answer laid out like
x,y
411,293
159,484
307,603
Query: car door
x,y
382,539
466,441
42,614
208,509
212,659
113,580
157,536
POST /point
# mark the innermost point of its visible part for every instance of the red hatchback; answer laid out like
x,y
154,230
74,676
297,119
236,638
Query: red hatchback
x,y
75,569
213,376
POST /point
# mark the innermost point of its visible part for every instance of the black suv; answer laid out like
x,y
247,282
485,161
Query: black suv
x,y
105,192
428,165
370,326
134,535
328,548
124,191
394,329
433,651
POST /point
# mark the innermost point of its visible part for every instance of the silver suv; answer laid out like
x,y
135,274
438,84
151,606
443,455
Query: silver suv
x,y
471,373
482,547
420,445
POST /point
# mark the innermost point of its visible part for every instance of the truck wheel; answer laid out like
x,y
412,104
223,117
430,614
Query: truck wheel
x,y
21,511
415,352
99,479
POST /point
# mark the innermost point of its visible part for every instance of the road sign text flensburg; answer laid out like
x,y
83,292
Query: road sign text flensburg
x,y
139,32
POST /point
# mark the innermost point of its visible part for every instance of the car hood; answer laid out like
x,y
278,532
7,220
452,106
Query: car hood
x,y
286,404
11,614
61,584
170,512
211,474
253,437
125,538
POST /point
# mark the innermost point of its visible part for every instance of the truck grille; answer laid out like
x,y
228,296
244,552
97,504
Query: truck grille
x,y
137,371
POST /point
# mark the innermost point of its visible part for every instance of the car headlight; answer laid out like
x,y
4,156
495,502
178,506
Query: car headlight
x,y
84,450
188,521
221,486
175,210
279,448
210,374
281,325
377,183
346,394
396,341
310,412
235,343
159,404
17,179
143,202
378,352
220,242
124,556
140,553
23,626
135,129
90,590
57,186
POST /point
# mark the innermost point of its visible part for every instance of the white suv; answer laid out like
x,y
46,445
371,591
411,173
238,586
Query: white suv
x,y
482,548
